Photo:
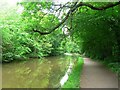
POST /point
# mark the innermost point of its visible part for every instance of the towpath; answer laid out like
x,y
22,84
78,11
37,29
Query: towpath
x,y
96,75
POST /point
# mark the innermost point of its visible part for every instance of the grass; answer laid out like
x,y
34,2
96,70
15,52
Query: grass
x,y
74,78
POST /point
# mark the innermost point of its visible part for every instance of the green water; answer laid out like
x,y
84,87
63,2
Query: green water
x,y
35,73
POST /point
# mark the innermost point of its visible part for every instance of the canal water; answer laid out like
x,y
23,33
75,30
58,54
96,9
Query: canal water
x,y
35,73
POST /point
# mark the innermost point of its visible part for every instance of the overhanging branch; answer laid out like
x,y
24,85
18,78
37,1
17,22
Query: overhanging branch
x,y
76,6
99,8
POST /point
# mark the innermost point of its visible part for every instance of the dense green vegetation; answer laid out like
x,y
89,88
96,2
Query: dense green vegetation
x,y
95,32
39,30
74,78
98,34
19,41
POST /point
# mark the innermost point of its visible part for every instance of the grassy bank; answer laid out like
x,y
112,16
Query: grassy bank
x,y
74,78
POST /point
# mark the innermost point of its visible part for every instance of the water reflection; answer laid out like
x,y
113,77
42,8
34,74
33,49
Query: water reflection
x,y
35,73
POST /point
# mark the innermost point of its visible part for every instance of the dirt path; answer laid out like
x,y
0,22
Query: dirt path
x,y
95,75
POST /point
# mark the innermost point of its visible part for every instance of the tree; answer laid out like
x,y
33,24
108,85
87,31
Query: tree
x,y
71,14
38,31
71,7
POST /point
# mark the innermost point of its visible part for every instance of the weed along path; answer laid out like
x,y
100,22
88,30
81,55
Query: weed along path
x,y
96,75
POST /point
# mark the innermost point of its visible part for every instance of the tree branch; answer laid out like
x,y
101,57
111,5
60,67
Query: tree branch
x,y
75,7
98,8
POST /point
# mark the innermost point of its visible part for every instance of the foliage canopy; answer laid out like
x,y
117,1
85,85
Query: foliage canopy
x,y
92,29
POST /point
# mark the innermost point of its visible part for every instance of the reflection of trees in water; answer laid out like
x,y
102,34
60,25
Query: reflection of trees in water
x,y
33,74
27,74
58,68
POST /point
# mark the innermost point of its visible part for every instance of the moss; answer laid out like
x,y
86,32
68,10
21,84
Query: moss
x,y
74,78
